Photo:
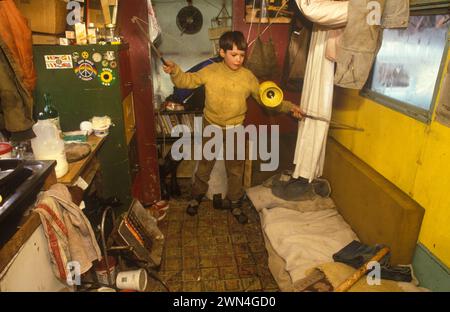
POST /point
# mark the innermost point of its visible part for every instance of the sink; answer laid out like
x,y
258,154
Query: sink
x,y
20,182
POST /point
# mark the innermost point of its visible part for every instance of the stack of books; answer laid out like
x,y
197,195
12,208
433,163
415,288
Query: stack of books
x,y
166,122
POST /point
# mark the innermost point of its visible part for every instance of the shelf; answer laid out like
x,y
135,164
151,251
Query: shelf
x,y
179,112
168,139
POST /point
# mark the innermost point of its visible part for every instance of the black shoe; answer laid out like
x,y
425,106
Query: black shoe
x,y
192,208
236,210
219,203
240,216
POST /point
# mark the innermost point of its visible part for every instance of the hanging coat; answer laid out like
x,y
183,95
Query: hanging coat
x,y
16,34
16,103
17,75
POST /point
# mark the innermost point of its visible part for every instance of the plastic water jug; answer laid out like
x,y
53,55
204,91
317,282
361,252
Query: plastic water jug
x,y
47,145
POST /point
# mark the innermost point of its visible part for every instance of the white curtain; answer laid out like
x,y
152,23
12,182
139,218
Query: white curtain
x,y
317,93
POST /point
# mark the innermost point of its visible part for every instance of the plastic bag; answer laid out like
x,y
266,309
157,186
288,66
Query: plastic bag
x,y
263,60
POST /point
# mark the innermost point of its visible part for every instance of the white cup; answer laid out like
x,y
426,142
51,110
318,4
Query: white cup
x,y
86,126
133,280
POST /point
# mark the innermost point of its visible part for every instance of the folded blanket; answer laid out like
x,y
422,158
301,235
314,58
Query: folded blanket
x,y
305,239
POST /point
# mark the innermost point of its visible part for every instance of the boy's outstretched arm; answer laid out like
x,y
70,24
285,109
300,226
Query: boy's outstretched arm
x,y
295,110
184,80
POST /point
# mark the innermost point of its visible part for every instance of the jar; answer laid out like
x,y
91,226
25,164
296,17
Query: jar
x,y
92,34
102,272
5,150
110,32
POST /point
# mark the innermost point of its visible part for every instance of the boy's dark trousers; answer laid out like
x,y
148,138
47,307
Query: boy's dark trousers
x,y
234,168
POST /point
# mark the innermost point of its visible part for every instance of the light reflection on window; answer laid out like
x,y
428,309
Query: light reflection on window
x,y
407,65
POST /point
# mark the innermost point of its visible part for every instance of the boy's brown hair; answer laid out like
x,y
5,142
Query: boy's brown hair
x,y
229,38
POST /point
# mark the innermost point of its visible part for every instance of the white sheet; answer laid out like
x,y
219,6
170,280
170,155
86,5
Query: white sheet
x,y
325,12
317,93
317,97
305,239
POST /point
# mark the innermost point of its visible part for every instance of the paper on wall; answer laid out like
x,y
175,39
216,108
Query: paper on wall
x,y
58,61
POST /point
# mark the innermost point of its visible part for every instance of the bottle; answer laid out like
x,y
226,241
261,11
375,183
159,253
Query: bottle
x,y
49,112
92,34
47,145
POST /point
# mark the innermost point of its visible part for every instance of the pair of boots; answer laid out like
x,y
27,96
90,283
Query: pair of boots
x,y
356,254
221,204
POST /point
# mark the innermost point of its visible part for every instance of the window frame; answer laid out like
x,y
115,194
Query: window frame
x,y
418,7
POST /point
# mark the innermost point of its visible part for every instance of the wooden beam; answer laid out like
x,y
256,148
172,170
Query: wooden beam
x,y
106,13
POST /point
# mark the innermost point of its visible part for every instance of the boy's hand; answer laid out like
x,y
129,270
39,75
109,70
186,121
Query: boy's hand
x,y
297,112
169,68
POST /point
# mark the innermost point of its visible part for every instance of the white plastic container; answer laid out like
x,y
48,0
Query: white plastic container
x,y
132,280
47,145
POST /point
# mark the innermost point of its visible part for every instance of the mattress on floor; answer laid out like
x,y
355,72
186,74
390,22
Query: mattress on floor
x,y
301,235
305,239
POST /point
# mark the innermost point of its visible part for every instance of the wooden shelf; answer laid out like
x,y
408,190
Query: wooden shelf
x,y
168,139
167,112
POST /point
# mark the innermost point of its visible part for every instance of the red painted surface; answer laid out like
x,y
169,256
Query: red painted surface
x,y
280,36
146,187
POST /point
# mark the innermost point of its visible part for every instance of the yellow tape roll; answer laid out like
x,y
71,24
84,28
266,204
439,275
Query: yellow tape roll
x,y
271,95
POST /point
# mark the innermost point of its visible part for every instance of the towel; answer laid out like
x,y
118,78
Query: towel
x,y
68,231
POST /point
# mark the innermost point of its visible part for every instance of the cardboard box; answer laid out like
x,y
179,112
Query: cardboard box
x,y
39,39
44,16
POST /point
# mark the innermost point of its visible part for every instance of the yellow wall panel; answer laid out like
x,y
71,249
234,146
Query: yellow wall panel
x,y
391,142
411,154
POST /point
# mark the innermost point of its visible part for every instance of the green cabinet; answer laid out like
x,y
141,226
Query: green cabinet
x,y
87,81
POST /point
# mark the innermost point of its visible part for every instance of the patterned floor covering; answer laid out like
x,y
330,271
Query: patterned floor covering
x,y
212,251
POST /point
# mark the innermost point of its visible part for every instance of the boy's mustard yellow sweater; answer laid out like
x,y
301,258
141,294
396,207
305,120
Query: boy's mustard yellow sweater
x,y
226,92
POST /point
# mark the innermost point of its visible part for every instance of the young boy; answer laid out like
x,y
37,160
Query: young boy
x,y
227,86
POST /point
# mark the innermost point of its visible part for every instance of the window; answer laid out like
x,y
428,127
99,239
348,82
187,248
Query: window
x,y
406,72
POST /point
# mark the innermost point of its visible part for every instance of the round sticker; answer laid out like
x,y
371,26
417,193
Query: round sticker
x,y
113,64
105,63
97,57
85,70
85,55
107,77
